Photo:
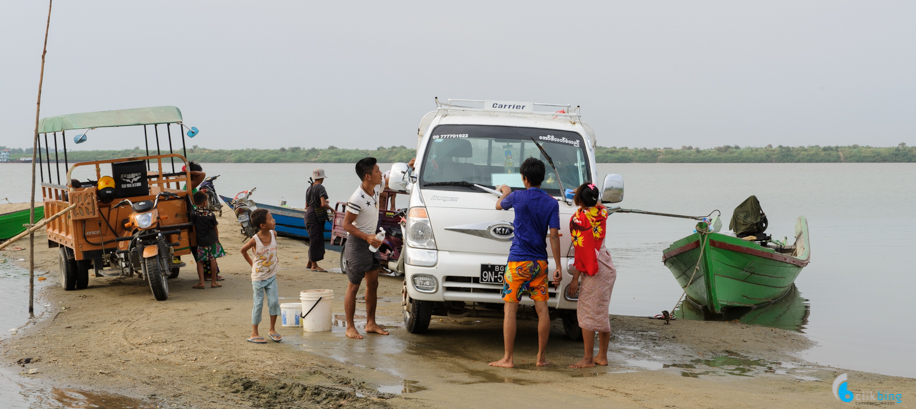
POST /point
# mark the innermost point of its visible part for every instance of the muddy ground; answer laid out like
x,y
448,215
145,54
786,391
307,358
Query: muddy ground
x,y
191,351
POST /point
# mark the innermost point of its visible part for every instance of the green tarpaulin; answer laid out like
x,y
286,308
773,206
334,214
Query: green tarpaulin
x,y
107,119
748,218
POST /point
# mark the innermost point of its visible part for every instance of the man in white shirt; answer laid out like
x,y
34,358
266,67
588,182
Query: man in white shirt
x,y
361,222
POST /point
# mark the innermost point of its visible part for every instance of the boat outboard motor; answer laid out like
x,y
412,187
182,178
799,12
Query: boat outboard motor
x,y
749,219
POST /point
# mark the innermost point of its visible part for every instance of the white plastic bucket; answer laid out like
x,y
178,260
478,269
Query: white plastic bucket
x,y
316,309
289,314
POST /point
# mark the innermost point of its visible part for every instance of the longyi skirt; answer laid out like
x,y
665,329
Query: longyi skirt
x,y
595,295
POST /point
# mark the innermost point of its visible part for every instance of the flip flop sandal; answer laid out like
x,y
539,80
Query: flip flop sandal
x,y
198,287
275,337
320,270
257,340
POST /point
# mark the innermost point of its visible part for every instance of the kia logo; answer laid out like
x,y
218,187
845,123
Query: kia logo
x,y
501,231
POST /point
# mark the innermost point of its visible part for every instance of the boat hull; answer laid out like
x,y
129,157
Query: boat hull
x,y
732,272
12,223
790,312
290,221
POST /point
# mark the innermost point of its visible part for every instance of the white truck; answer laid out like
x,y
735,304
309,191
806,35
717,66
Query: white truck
x,y
456,244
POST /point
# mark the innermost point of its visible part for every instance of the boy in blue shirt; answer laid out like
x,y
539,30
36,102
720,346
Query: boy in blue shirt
x,y
535,213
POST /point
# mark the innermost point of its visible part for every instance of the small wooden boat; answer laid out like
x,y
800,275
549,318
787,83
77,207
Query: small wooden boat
x,y
290,221
719,271
12,223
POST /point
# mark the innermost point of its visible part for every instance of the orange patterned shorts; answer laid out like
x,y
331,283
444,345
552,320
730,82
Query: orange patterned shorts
x,y
525,277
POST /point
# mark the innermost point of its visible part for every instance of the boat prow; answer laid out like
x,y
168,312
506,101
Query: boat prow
x,y
718,271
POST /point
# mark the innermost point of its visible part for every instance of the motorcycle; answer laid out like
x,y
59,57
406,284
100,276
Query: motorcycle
x,y
393,245
394,223
213,203
243,207
147,249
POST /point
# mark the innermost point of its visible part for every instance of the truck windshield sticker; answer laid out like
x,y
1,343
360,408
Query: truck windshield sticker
x,y
551,138
451,136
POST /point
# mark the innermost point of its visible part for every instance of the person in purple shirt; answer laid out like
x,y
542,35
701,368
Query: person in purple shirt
x,y
535,213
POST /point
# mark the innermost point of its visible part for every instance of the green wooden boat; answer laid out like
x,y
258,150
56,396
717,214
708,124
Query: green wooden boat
x,y
12,223
733,272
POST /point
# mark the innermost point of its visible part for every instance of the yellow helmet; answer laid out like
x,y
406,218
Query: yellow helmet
x,y
106,181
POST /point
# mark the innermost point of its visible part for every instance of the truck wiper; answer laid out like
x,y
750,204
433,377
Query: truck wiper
x,y
550,161
461,183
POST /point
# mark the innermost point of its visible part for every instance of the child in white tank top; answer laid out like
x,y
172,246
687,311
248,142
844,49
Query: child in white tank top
x,y
264,269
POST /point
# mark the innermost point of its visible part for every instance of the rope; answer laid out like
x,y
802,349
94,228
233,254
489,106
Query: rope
x,y
704,237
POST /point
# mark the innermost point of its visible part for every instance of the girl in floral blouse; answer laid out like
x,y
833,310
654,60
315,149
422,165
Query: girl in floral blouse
x,y
593,265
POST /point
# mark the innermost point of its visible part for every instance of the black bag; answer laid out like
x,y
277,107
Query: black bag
x,y
204,229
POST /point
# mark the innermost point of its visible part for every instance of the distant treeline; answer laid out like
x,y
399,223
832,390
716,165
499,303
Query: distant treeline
x,y
685,154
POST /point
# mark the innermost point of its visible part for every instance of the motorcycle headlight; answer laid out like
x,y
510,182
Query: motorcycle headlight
x,y
145,220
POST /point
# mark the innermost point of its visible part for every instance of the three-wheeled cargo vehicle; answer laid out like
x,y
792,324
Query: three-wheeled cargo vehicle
x,y
132,214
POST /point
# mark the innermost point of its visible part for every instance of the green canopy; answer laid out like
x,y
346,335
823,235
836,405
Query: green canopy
x,y
108,119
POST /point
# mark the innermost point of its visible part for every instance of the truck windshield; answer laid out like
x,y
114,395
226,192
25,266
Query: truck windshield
x,y
491,155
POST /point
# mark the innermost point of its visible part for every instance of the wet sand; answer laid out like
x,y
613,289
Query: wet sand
x,y
190,350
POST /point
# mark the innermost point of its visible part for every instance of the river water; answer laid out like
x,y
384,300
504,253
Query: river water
x,y
858,285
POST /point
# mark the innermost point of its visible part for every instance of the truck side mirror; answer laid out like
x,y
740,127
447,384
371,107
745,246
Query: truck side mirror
x,y
612,190
399,177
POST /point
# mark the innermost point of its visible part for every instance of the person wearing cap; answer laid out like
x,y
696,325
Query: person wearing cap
x,y
316,214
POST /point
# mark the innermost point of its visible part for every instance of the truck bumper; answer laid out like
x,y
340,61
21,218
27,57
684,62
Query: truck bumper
x,y
457,276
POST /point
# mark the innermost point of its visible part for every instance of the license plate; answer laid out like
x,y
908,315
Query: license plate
x,y
243,218
492,273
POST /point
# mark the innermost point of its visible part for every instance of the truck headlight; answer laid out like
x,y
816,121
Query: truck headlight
x,y
425,283
419,230
145,220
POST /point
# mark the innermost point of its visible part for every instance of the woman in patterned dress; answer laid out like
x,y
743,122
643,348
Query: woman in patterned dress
x,y
593,265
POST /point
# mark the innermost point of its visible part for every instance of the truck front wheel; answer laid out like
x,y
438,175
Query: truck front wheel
x,y
416,313
571,325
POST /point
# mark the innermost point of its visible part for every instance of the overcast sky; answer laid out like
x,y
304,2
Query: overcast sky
x,y
312,74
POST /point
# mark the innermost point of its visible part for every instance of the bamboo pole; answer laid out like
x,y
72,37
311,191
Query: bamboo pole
x,y
637,211
37,226
41,78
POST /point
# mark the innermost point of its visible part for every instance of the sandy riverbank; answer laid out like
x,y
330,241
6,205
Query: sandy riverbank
x,y
190,351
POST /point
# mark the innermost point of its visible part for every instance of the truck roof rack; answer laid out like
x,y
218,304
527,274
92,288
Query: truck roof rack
x,y
509,107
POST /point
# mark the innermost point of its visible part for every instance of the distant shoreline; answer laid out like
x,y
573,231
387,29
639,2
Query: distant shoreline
x,y
685,154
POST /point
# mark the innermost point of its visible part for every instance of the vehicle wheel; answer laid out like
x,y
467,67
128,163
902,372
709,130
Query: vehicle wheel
x,y
68,270
173,272
247,230
82,273
158,280
571,325
343,260
416,313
